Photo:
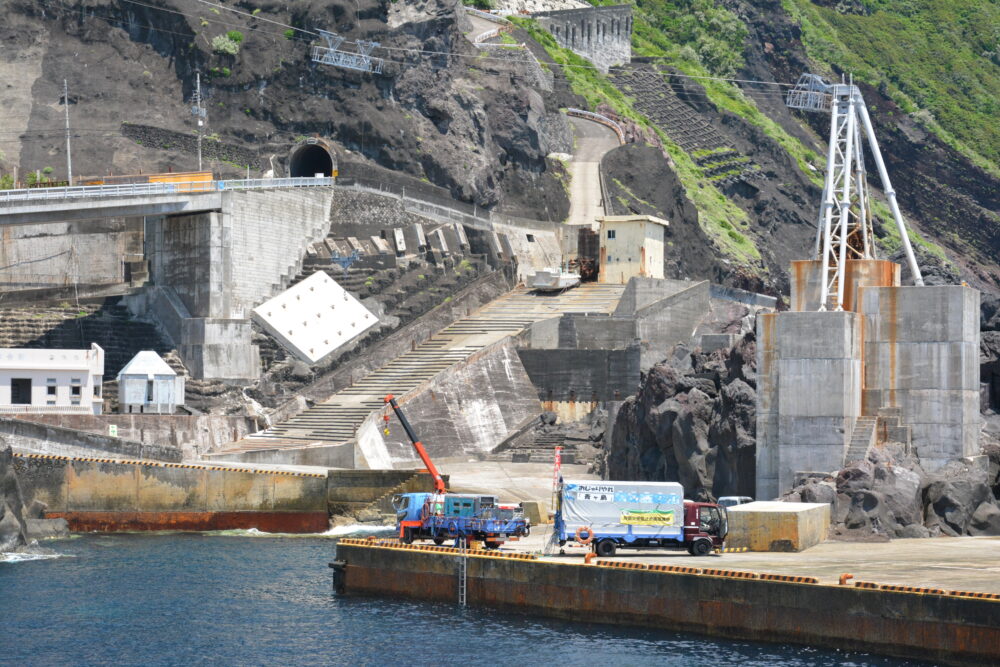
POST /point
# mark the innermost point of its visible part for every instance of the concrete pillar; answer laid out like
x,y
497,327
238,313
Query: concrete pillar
x,y
806,281
922,355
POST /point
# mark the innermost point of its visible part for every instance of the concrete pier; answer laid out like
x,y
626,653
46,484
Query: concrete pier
x,y
691,596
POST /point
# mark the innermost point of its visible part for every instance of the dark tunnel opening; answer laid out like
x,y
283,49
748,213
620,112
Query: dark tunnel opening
x,y
310,160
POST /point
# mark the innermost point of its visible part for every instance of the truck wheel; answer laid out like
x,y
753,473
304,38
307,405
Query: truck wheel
x,y
439,541
407,535
606,548
701,548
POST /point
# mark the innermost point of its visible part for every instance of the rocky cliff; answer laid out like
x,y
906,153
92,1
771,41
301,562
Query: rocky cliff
x,y
13,529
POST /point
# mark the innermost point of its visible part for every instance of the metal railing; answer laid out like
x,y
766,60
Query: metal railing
x,y
598,118
485,15
48,409
146,189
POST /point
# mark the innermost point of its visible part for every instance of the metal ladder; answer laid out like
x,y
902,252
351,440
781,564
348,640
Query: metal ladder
x,y
463,571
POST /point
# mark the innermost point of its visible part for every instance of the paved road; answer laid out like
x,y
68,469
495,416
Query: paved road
x,y
949,563
593,140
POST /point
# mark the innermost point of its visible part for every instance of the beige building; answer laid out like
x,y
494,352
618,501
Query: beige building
x,y
631,245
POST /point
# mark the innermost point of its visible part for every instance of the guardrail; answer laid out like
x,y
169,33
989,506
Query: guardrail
x,y
9,197
598,118
485,15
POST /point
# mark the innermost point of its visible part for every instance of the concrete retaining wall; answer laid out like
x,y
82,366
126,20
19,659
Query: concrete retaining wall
x,y
602,35
465,410
582,375
51,438
951,629
191,435
113,496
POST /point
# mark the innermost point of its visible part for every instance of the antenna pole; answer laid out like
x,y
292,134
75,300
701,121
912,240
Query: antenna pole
x,y
69,159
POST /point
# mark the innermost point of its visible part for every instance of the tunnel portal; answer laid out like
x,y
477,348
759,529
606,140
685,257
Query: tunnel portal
x,y
310,159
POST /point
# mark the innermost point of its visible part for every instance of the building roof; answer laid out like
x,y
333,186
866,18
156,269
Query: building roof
x,y
633,218
147,363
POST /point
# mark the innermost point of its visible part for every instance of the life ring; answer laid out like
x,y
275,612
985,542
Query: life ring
x,y
453,527
590,535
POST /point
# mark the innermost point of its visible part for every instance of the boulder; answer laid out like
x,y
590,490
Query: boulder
x,y
985,520
43,529
12,527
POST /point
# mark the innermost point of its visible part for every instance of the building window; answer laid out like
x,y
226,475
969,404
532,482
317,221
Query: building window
x,y
610,259
75,401
51,390
20,391
50,402
50,380
97,390
74,390
75,381
149,391
611,234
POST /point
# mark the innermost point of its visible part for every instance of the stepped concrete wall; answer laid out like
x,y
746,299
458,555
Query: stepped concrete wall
x,y
582,375
602,35
191,435
115,496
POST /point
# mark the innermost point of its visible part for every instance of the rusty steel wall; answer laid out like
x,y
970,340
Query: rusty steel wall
x,y
104,494
927,626
805,287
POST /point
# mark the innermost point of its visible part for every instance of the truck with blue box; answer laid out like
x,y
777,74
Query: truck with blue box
x,y
637,515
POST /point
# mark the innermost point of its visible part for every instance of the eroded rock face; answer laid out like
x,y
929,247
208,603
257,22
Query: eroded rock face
x,y
691,421
13,532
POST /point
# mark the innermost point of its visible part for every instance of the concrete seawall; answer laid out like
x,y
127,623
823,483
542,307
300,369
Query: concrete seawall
x,y
110,496
950,627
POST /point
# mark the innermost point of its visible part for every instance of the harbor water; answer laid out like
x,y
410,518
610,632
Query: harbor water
x,y
253,599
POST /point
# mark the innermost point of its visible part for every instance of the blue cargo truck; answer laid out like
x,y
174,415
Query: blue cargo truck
x,y
637,515
450,516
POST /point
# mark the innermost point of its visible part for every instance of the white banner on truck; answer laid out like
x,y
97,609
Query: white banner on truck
x,y
621,508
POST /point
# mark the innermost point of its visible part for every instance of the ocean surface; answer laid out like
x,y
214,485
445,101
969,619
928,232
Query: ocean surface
x,y
256,599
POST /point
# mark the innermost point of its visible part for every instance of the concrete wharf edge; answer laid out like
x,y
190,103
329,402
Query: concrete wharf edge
x,y
950,628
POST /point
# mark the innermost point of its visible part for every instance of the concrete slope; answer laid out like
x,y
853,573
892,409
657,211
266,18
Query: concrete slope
x,y
593,140
336,420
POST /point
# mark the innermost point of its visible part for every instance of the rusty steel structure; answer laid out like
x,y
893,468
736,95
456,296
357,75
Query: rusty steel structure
x,y
845,231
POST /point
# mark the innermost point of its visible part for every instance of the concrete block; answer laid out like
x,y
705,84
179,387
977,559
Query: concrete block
x,y
535,513
778,526
943,313
818,335
923,365
819,387
314,318
945,441
713,342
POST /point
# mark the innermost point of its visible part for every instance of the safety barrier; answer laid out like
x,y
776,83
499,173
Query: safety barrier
x,y
975,594
865,584
733,550
789,578
732,574
427,548
911,589
159,464
625,565
146,189
485,15
598,118
676,569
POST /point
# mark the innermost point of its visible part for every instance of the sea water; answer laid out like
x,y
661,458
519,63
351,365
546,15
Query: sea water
x,y
254,599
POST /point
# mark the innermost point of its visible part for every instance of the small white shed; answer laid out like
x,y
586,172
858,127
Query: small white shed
x,y
148,384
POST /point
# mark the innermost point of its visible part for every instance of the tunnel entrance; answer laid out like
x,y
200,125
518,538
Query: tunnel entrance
x,y
309,160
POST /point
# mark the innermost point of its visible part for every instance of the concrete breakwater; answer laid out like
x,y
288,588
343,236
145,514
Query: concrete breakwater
x,y
949,626
110,495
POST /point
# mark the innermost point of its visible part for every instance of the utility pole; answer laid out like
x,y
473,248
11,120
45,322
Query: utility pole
x,y
69,159
198,112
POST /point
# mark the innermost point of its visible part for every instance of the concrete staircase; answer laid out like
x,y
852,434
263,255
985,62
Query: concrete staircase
x,y
862,440
336,420
869,432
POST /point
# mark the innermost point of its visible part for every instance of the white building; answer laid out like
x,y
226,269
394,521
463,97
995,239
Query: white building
x,y
631,245
51,381
148,384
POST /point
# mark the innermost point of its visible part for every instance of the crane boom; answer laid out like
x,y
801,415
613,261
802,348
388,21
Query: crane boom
x,y
417,445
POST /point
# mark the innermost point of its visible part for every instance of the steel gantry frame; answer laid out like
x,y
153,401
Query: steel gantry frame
x,y
332,55
844,229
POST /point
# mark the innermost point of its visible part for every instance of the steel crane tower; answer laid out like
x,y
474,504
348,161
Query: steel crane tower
x,y
845,223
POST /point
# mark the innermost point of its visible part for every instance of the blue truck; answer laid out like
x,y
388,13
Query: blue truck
x,y
456,516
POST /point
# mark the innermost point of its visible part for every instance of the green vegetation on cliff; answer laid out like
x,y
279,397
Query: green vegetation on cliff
x,y
937,59
722,220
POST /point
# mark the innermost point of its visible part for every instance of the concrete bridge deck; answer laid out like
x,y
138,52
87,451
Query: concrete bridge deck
x,y
336,420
